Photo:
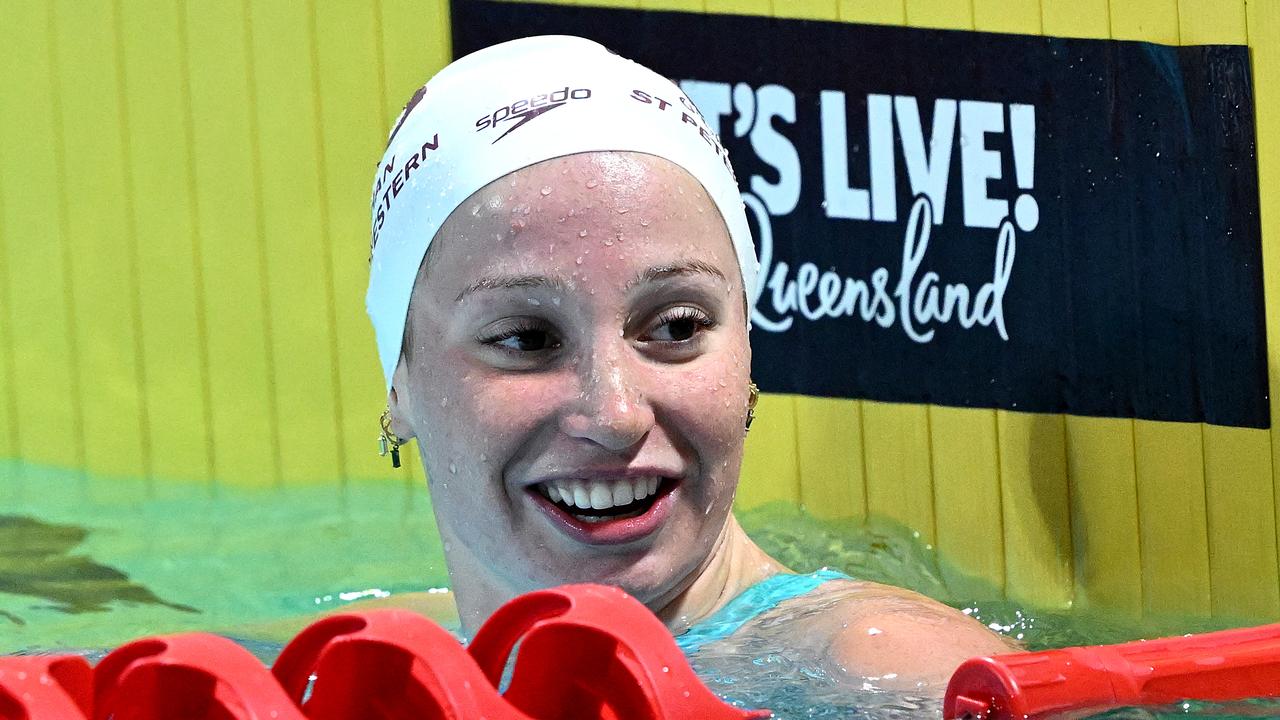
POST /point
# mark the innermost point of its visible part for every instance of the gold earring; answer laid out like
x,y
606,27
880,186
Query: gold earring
x,y
751,404
389,441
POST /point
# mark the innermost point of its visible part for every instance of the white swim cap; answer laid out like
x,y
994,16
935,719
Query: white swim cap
x,y
510,106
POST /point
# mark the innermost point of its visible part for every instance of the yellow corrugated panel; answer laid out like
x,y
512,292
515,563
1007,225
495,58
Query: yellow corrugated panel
x,y
769,467
807,9
829,450
1203,22
1149,20
98,221
1264,39
895,445
349,92
46,383
298,271
740,7
966,486
1242,523
1104,506
170,285
883,12
1076,18
1009,16
202,80
946,14
684,5
415,44
1173,528
1038,548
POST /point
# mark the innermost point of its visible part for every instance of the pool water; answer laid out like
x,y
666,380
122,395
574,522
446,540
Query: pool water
x,y
87,563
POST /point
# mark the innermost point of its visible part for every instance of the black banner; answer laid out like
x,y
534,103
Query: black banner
x,y
975,219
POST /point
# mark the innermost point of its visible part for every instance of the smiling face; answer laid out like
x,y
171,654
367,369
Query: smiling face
x,y
576,374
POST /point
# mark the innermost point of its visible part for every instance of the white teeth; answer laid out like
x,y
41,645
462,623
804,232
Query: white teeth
x,y
599,494
622,493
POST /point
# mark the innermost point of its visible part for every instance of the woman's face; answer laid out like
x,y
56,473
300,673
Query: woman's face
x,y
578,339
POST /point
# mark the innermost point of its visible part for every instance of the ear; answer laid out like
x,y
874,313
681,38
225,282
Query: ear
x,y
400,403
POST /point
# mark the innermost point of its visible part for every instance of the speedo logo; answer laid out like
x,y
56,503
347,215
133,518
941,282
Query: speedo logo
x,y
522,111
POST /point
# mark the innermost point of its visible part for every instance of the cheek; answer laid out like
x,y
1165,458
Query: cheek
x,y
710,405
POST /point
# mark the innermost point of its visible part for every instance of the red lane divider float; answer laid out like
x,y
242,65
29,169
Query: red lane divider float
x,y
1077,682
587,652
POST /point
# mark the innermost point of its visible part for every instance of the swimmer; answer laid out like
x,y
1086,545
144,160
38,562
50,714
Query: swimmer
x,y
559,289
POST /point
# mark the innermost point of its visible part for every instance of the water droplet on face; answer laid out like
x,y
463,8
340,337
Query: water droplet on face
x,y
534,301
591,183
555,301
546,190
453,469
444,402
579,260
644,222
582,233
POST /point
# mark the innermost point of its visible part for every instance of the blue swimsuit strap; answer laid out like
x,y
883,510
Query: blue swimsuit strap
x,y
750,604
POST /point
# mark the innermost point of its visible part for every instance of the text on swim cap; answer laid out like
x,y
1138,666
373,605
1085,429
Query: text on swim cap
x,y
393,178
691,116
527,109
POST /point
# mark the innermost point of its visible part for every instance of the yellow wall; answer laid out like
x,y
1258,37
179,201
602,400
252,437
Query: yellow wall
x,y
183,242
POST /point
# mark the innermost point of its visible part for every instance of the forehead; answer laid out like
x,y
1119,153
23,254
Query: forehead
x,y
630,208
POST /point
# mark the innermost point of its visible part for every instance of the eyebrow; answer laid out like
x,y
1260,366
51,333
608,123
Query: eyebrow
x,y
665,272
513,282
653,274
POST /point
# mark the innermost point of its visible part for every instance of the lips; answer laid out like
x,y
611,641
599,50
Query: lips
x,y
606,512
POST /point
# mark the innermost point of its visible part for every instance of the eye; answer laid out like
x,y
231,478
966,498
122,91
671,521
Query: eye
x,y
521,336
680,324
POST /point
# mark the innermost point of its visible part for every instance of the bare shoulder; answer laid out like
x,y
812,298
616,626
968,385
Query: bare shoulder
x,y
901,639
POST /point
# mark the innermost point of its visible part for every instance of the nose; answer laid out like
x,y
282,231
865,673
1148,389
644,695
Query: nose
x,y
611,409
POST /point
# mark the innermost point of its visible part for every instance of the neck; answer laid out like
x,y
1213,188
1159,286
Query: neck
x,y
734,565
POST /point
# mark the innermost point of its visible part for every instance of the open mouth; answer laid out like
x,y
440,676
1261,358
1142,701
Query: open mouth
x,y
594,501
607,512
